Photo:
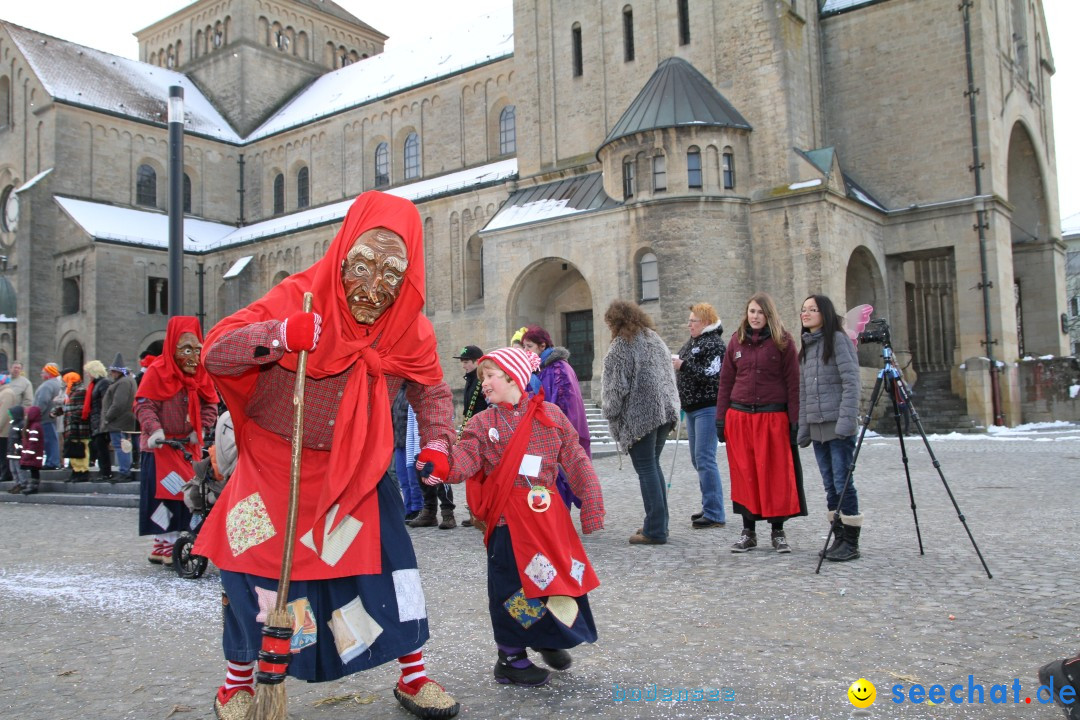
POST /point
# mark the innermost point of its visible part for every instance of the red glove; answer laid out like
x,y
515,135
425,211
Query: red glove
x,y
433,462
300,331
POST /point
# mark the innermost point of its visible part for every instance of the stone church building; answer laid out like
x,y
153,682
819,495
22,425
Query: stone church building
x,y
562,154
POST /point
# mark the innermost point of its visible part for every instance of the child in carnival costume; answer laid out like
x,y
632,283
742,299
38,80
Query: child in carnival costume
x,y
538,573
355,593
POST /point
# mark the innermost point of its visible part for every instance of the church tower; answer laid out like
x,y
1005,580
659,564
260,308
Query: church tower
x,y
249,56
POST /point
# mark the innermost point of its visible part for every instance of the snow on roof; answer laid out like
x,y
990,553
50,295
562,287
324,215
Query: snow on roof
x,y
237,267
1071,225
422,60
81,75
569,196
33,181
151,229
833,7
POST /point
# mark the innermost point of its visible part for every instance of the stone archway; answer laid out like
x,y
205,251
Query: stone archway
x,y
73,356
864,285
554,294
1035,286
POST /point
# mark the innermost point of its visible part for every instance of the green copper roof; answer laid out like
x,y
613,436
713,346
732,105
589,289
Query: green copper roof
x,y
676,95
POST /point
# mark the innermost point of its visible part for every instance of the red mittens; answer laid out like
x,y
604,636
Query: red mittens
x,y
301,331
433,463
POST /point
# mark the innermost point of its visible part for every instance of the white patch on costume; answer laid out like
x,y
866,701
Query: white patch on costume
x,y
248,524
267,600
410,596
540,570
714,366
353,629
337,542
493,435
577,569
162,516
564,608
530,466
173,483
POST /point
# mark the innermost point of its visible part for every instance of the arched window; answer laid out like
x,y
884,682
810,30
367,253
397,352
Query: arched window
x,y
69,302
146,186
382,165
629,183
5,101
693,167
507,131
281,40
412,156
279,194
575,42
303,189
684,22
187,193
628,33
729,169
649,277
659,173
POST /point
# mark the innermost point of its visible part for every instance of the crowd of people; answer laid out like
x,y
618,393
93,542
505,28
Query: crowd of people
x,y
378,452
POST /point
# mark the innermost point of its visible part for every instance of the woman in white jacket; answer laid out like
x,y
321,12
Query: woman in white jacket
x,y
828,416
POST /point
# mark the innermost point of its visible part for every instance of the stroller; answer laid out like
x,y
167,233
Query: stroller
x,y
200,494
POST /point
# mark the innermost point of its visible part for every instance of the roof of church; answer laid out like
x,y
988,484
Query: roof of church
x,y
332,8
676,95
83,76
570,196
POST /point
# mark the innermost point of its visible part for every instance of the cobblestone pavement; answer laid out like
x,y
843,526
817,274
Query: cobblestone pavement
x,y
94,631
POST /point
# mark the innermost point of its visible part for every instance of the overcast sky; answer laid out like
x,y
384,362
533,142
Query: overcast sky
x,y
109,25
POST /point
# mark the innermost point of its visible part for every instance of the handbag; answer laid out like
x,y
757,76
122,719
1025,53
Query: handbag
x,y
74,449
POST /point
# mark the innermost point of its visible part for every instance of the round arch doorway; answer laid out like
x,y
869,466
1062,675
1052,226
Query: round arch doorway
x,y
553,293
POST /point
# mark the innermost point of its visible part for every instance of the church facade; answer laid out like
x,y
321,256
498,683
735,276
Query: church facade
x,y
562,154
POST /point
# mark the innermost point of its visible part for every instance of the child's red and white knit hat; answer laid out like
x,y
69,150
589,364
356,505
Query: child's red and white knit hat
x,y
517,363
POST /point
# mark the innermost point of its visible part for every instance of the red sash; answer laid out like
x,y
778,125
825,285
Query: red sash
x,y
170,469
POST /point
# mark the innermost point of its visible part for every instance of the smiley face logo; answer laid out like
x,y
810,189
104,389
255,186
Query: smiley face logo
x,y
862,693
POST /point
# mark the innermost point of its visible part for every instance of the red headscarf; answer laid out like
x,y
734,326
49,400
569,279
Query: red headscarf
x,y
401,342
164,379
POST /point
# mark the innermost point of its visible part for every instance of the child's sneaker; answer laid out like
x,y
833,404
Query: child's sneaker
x,y
530,675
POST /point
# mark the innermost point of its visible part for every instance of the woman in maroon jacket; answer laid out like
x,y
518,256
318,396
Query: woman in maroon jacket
x,y
757,411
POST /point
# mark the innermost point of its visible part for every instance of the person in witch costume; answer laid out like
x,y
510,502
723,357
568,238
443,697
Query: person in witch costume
x,y
354,590
176,400
538,573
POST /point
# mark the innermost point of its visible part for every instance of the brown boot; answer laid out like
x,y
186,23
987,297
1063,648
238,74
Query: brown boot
x,y
426,518
449,522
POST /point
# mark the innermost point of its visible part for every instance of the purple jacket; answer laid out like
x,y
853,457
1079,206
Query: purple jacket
x,y
561,387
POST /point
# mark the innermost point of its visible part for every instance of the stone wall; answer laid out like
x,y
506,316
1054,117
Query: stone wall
x,y
1050,389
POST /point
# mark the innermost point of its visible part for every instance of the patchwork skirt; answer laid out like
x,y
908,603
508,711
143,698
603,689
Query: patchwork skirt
x,y
158,516
340,625
555,622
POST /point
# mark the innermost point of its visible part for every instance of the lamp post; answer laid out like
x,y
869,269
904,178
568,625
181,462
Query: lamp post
x,y
176,200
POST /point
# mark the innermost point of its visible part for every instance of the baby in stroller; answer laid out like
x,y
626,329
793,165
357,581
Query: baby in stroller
x,y
202,491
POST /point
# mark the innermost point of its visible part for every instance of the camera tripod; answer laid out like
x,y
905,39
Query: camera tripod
x,y
889,380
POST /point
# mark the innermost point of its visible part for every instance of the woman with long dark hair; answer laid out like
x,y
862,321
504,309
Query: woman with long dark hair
x,y
757,411
828,416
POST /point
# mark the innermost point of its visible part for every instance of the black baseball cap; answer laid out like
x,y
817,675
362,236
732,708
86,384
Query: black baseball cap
x,y
470,352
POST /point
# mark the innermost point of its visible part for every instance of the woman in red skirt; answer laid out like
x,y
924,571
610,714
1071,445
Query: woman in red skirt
x,y
757,412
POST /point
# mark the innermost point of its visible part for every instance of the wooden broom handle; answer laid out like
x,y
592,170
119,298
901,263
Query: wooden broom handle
x,y
294,474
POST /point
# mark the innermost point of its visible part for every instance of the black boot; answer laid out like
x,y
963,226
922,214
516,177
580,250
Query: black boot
x,y
556,659
531,675
449,522
849,548
838,533
426,518
1064,674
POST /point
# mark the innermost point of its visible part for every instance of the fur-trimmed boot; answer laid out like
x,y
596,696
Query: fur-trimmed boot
x,y
837,530
849,548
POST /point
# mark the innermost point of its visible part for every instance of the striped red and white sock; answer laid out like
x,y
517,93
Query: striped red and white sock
x,y
413,675
239,676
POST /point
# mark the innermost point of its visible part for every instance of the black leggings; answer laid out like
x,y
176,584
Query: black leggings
x,y
748,524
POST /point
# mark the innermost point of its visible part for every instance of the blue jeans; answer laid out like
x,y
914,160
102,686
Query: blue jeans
x,y
645,456
52,443
701,430
410,483
834,460
123,459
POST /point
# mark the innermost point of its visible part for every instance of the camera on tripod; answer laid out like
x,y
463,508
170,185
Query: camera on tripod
x,y
877,331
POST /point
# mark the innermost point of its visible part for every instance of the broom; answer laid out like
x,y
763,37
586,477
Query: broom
x,y
270,700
